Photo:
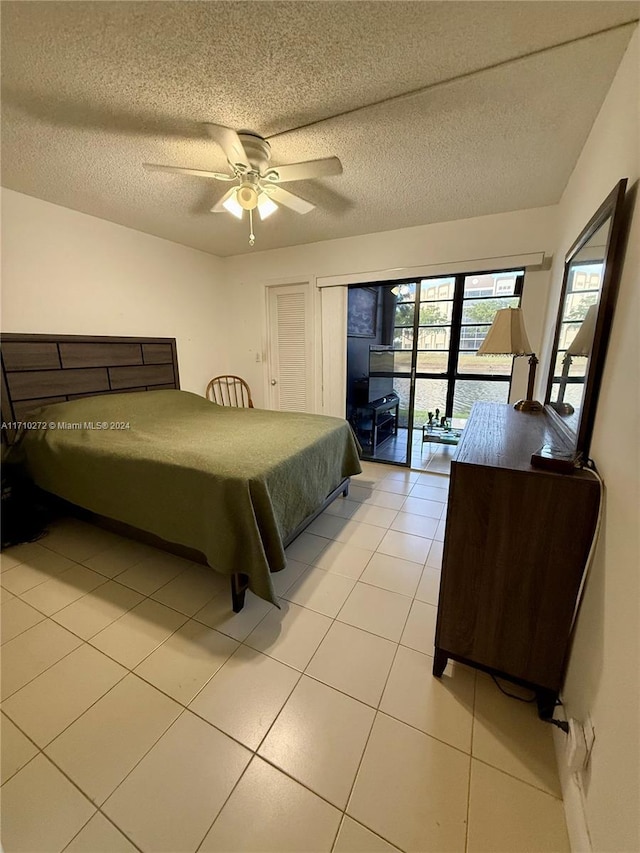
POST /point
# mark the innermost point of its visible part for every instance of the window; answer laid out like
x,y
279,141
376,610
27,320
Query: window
x,y
439,325
583,290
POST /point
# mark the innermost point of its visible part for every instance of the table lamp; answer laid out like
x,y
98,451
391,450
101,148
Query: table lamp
x,y
507,336
580,346
583,341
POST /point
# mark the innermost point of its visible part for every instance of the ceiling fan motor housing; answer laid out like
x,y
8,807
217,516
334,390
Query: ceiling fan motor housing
x,y
257,149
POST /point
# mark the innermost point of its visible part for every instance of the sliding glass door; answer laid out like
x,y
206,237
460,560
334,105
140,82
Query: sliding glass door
x,y
428,332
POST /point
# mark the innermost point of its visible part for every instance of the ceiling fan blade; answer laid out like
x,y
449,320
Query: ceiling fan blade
x,y
288,199
305,171
180,170
218,207
230,143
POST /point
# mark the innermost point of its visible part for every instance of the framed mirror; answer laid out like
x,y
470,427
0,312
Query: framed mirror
x,y
591,276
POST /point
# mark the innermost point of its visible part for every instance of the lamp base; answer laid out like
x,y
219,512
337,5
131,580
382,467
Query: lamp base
x,y
528,406
563,408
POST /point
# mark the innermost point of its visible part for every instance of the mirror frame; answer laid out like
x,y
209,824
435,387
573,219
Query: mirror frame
x,y
611,207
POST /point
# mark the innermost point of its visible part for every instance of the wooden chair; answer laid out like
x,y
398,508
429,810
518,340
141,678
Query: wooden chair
x,y
230,391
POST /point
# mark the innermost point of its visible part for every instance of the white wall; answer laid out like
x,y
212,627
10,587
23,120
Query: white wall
x,y
499,235
69,273
66,272
603,679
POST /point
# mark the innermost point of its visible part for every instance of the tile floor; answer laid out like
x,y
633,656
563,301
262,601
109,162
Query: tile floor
x,y
138,712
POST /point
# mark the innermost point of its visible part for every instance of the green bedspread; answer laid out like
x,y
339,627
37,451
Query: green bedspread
x,y
232,483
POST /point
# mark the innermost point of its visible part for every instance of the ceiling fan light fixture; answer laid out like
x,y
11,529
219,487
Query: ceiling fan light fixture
x,y
232,205
266,206
247,196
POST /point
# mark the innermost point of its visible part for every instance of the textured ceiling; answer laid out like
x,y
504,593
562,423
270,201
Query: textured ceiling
x,y
508,92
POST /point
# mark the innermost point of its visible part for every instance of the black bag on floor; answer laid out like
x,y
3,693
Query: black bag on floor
x,y
24,517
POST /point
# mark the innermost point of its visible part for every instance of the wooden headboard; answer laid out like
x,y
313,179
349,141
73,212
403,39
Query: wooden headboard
x,y
38,370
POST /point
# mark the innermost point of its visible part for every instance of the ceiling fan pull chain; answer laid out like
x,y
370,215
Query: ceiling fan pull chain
x,y
252,236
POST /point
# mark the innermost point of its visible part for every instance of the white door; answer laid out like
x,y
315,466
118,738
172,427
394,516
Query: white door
x,y
290,347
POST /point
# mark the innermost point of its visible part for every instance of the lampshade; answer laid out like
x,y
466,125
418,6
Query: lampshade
x,y
507,335
231,204
266,206
583,341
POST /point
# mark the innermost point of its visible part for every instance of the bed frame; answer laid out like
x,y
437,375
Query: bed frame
x,y
39,370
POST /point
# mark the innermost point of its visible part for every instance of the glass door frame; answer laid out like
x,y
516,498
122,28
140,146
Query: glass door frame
x,y
452,375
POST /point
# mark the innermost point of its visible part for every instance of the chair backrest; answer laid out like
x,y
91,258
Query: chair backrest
x,y
230,391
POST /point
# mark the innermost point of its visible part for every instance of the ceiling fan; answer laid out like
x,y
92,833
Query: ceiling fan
x,y
257,183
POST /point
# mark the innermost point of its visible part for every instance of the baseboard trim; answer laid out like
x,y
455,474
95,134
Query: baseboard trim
x,y
572,796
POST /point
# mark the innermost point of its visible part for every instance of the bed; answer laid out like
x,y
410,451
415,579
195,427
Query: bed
x,y
235,485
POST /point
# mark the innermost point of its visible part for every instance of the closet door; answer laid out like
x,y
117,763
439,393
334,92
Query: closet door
x,y
290,347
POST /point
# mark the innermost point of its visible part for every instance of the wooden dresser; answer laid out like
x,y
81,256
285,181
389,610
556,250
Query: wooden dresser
x,y
516,544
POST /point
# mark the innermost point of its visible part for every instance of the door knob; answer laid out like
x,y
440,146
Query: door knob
x,y
274,382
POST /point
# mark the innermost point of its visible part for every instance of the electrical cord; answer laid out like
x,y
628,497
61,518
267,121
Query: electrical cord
x,y
591,468
511,695
561,724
